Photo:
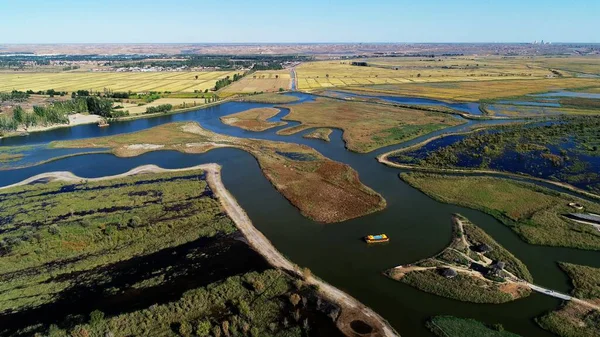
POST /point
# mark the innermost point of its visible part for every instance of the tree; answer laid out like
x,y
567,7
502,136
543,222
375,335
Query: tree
x,y
203,328
19,114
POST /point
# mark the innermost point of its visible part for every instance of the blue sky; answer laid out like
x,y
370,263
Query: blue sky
x,y
174,21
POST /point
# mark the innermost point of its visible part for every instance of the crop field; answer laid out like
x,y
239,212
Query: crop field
x,y
480,90
177,103
261,81
460,78
115,81
316,75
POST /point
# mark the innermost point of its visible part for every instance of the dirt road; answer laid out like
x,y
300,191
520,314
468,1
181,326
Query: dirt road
x,y
255,238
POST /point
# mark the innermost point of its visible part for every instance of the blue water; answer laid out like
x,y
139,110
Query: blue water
x,y
569,94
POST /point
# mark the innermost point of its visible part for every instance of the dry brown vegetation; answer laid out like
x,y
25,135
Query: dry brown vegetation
x,y
320,133
323,190
253,119
366,126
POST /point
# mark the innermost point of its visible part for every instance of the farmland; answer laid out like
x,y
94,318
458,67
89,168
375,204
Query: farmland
x,y
260,81
455,78
115,81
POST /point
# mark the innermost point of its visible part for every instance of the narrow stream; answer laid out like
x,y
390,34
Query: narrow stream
x,y
419,226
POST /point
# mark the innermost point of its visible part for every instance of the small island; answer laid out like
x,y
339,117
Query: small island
x,y
473,268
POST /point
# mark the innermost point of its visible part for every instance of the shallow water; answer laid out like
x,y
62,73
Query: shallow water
x,y
569,94
418,226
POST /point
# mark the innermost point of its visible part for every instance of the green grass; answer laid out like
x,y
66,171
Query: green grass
x,y
55,229
461,287
533,212
586,280
272,98
477,236
448,326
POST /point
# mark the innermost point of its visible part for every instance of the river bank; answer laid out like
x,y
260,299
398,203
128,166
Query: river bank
x,y
351,308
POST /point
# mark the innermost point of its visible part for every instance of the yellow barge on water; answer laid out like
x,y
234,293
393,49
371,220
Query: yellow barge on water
x,y
377,238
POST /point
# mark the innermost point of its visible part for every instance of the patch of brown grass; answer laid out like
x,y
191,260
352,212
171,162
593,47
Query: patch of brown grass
x,y
253,119
322,189
367,126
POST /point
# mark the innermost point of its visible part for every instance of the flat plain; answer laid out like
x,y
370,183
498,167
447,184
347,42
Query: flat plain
x,y
115,81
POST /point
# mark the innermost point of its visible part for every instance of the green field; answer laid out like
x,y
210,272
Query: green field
x,y
535,213
574,319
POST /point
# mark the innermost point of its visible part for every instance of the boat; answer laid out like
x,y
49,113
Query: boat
x,y
103,124
377,238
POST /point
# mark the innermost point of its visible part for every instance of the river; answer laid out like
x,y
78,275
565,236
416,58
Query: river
x,y
419,226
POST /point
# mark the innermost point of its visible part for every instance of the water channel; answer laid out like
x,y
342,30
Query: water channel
x,y
419,227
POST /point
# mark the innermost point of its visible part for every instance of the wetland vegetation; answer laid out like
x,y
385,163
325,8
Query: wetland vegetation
x,y
366,126
536,213
467,272
575,319
254,119
448,326
322,189
566,150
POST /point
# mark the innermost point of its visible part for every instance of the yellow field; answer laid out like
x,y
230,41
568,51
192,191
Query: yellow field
x,y
98,81
474,91
261,81
177,103
316,75
405,70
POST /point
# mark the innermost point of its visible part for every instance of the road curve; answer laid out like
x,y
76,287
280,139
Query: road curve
x,y
255,238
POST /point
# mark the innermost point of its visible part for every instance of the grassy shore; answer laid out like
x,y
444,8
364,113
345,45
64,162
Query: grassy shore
x,y
270,98
533,212
322,189
253,119
575,319
367,126
481,284
448,326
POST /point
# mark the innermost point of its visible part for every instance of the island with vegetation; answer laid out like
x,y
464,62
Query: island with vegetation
x,y
473,268
577,318
254,119
448,326
366,126
322,189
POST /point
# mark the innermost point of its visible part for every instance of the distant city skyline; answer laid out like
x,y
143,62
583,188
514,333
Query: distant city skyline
x,y
268,21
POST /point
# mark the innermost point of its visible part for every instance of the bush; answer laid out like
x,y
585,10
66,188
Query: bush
x,y
203,328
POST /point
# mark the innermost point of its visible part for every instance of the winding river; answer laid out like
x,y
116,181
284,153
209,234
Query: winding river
x,y
418,226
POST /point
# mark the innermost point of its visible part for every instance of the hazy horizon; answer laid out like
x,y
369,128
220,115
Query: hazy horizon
x,y
310,21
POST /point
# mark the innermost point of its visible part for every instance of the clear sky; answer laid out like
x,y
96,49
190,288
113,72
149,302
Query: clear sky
x,y
174,21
